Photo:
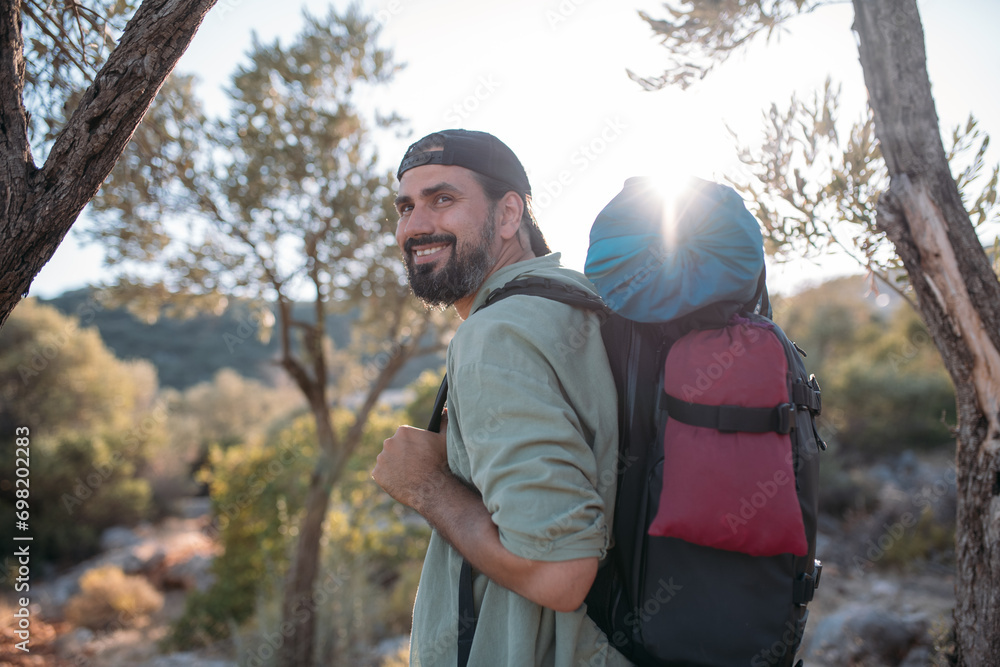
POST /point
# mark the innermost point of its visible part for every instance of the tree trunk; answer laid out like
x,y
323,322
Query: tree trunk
x,y
298,608
957,293
38,206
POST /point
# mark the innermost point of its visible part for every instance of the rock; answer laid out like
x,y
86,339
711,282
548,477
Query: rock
x,y
191,574
186,659
74,643
920,656
390,648
118,537
193,508
862,634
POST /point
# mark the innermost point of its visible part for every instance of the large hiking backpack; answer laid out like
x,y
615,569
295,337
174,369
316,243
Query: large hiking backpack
x,y
715,527
713,560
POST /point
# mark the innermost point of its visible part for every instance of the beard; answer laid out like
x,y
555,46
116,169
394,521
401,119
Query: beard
x,y
463,272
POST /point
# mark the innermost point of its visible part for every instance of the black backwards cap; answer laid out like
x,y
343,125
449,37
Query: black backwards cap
x,y
484,154
479,151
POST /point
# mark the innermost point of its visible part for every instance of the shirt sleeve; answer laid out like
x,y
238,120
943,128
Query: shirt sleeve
x,y
527,448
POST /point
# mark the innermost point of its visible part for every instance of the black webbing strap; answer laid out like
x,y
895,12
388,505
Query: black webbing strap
x,y
805,584
544,287
556,290
466,614
807,395
761,302
466,601
732,418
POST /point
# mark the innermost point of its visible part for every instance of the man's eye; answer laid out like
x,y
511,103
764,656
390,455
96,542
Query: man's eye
x,y
404,208
442,199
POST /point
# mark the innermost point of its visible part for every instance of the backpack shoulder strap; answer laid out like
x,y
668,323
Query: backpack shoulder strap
x,y
548,288
543,287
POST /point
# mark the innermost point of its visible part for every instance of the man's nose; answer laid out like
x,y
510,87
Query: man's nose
x,y
418,223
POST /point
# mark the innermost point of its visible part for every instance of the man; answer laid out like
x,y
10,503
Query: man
x,y
521,480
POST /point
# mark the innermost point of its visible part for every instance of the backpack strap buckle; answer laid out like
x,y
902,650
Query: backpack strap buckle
x,y
785,418
806,584
807,395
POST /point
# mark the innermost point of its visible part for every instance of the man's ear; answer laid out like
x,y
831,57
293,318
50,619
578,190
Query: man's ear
x,y
509,210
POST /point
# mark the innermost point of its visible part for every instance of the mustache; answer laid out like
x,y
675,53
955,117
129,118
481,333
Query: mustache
x,y
428,240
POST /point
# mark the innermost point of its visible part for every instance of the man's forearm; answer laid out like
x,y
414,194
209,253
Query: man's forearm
x,y
457,512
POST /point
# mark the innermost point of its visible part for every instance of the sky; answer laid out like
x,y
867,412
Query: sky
x,y
549,78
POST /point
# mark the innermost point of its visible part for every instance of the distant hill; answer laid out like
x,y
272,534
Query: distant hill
x,y
188,351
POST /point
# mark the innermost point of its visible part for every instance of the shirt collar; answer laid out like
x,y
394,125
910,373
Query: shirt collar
x,y
501,277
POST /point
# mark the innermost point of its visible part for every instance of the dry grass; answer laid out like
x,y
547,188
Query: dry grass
x,y
109,599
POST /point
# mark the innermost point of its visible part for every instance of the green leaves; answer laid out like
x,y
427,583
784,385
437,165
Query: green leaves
x,y
65,43
815,193
700,35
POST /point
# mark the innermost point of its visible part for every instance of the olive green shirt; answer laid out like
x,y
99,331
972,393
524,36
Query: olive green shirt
x,y
532,424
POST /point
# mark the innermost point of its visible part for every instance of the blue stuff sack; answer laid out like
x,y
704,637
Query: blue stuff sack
x,y
656,261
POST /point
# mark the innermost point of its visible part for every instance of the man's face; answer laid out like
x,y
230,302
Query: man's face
x,y
446,231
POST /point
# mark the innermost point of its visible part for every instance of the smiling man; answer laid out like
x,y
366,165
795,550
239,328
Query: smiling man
x,y
520,482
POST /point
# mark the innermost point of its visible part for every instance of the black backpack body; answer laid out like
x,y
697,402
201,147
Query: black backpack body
x,y
664,600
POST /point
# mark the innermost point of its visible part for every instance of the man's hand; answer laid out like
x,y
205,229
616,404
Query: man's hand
x,y
413,469
413,464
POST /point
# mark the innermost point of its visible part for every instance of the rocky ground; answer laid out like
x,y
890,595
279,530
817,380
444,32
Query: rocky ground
x,y
867,613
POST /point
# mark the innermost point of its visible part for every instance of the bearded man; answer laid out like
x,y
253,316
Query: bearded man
x,y
520,482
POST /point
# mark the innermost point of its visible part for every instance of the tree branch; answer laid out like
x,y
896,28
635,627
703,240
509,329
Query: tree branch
x,y
62,41
38,215
15,151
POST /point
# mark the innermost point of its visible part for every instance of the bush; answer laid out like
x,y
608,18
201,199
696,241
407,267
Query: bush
x,y
885,388
257,490
928,541
109,599
371,555
91,420
842,492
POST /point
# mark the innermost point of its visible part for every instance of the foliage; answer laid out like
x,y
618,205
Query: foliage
x,y
884,386
373,544
58,376
109,599
425,388
257,491
65,43
843,492
375,550
813,186
282,200
815,191
700,35
186,352
929,540
92,419
282,194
